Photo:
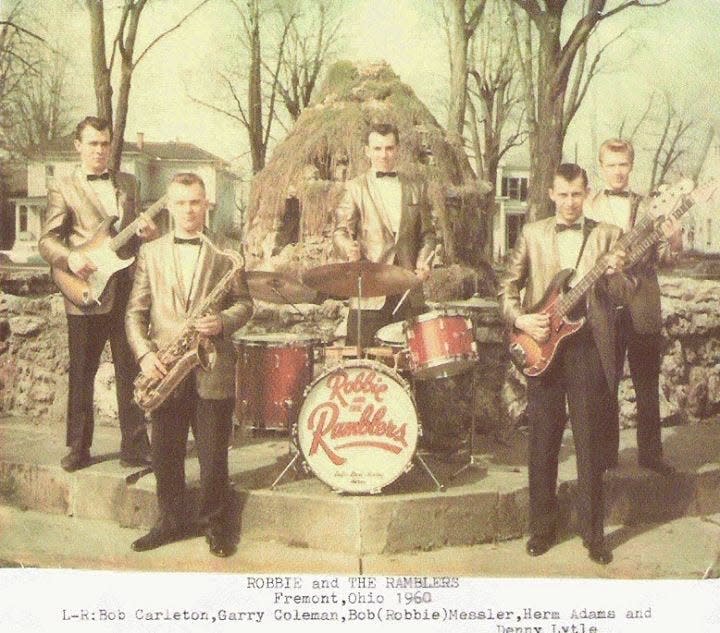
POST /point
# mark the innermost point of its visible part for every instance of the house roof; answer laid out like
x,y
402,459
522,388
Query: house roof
x,y
172,150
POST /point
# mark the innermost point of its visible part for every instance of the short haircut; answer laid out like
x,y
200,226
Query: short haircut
x,y
94,122
617,145
188,179
570,172
383,129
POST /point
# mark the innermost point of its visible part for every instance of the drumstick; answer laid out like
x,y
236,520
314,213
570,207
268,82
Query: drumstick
x,y
405,294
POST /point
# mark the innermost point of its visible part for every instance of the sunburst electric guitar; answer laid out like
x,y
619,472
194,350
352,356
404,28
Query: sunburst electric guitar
x,y
101,249
533,357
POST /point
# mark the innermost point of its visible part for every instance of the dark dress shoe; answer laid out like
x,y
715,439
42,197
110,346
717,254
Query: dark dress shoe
x,y
75,460
599,553
538,545
154,539
659,466
138,461
220,545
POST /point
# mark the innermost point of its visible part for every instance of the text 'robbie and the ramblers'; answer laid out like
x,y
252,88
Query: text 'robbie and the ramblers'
x,y
372,600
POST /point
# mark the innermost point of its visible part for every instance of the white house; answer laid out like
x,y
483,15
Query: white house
x,y
703,223
510,207
153,164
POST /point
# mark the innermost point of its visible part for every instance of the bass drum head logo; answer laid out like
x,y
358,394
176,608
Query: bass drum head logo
x,y
358,427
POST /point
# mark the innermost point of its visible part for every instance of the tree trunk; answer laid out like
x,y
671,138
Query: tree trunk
x,y
458,72
101,72
255,122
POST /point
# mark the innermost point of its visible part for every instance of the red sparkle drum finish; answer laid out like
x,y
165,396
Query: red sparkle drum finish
x,y
273,371
441,344
358,427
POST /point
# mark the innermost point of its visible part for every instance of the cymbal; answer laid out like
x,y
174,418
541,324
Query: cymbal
x,y
341,280
278,288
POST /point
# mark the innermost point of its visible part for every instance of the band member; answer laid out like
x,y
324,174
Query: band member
x,y
77,205
584,371
640,321
384,217
174,275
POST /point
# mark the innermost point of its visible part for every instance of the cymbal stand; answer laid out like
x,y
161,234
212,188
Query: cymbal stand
x,y
471,463
293,448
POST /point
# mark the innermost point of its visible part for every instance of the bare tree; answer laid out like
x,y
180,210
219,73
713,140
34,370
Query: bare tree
x,y
459,29
673,142
122,48
20,59
40,106
556,75
496,123
310,40
252,106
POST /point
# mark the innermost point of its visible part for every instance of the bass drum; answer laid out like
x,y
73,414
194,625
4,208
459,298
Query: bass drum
x,y
358,427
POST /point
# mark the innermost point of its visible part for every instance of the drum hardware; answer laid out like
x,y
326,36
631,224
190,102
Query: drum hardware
x,y
471,463
293,452
357,279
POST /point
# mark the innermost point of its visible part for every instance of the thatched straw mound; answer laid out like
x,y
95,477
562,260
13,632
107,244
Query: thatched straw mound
x,y
325,147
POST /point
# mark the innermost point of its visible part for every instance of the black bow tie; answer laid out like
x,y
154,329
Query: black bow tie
x,y
195,241
383,174
559,228
105,176
619,194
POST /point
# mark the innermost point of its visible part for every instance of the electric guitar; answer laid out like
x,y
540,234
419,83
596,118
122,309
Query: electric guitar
x,y
533,357
101,249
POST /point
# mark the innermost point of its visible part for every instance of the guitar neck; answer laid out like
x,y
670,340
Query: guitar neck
x,y
642,236
126,234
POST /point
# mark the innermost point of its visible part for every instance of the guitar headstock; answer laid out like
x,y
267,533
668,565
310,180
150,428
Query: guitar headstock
x,y
706,191
668,197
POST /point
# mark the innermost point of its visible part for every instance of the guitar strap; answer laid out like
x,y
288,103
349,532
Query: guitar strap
x,y
587,229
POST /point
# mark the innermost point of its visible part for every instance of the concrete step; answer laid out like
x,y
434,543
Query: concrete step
x,y
481,505
687,548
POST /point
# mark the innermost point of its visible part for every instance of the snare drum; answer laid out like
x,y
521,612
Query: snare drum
x,y
392,340
441,344
358,427
273,370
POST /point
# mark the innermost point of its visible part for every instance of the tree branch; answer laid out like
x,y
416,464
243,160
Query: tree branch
x,y
170,30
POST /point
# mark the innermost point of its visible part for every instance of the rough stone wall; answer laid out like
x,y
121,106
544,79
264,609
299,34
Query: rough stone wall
x,y
34,358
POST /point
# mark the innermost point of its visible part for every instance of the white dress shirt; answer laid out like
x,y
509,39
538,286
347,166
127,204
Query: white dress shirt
x,y
105,191
188,256
569,243
390,193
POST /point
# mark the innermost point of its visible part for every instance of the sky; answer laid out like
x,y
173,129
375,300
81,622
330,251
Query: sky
x,y
673,49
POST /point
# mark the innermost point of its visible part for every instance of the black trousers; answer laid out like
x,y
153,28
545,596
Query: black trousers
x,y
87,335
211,423
644,358
577,376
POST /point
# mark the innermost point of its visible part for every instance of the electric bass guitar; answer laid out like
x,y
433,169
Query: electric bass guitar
x,y
533,357
101,249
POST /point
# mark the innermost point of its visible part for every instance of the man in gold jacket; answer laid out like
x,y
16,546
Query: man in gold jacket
x,y
384,217
174,275
583,372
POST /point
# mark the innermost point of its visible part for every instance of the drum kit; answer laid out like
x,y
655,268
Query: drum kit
x,y
349,413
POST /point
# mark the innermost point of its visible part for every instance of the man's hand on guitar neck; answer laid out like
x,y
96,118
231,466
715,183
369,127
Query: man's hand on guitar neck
x,y
615,262
81,265
147,229
672,230
536,325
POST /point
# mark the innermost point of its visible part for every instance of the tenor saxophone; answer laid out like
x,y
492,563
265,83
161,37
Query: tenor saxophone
x,y
189,349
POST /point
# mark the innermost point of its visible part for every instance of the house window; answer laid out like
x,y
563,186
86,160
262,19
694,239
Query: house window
x,y
22,218
49,171
515,188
